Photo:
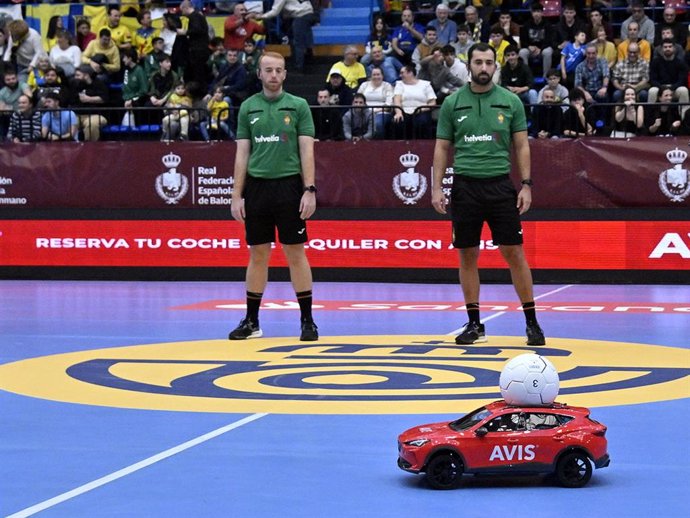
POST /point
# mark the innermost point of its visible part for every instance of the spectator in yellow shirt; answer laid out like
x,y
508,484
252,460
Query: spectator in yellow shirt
x,y
352,70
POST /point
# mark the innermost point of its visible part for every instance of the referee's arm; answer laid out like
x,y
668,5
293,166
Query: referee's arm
x,y
438,199
307,205
239,177
522,154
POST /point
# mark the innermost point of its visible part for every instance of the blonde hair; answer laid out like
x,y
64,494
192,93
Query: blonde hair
x,y
271,54
18,29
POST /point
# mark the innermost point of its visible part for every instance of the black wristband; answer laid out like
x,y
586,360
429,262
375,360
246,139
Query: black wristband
x,y
527,182
310,188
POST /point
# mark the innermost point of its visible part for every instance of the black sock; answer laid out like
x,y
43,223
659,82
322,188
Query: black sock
x,y
473,312
530,312
253,303
304,299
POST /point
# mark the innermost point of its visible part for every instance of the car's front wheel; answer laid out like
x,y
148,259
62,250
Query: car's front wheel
x,y
444,471
574,470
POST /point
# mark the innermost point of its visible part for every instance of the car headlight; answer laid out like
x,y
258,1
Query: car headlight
x,y
417,442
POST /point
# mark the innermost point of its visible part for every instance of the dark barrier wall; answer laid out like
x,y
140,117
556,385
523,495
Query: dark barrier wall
x,y
592,173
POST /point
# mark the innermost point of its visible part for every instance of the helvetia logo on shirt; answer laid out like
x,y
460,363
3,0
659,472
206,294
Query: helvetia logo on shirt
x,y
478,138
271,138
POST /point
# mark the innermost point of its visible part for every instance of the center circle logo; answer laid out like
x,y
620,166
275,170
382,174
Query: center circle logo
x,y
379,374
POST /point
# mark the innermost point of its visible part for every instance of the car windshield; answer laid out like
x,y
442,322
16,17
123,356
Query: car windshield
x,y
468,421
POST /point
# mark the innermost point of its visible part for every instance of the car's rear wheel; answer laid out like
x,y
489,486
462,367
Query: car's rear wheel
x,y
574,470
444,471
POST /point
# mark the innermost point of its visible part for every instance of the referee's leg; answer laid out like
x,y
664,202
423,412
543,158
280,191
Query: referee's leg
x,y
300,271
257,269
520,272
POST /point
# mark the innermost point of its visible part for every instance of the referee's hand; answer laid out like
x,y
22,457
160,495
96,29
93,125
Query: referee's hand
x,y
307,206
524,200
439,201
237,209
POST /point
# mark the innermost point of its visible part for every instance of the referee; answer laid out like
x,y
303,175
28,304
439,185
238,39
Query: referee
x,y
274,188
480,121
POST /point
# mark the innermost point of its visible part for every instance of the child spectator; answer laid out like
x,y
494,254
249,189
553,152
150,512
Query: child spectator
x,y
575,123
219,117
176,118
571,56
553,83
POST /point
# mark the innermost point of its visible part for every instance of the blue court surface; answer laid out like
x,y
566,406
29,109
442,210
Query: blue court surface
x,y
124,399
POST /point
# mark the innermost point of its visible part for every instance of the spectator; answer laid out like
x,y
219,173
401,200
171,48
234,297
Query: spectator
x,y
217,59
135,83
553,83
575,123
24,48
571,56
592,77
142,40
302,38
479,29
667,34
84,34
668,70
103,56
498,42
597,21
547,117
358,121
379,38
232,79
435,71
406,37
679,28
605,48
250,61
511,30
120,34
55,25
349,68
631,72
13,89
628,117
646,26
536,40
456,66
218,123
3,49
37,74
51,83
663,118
171,24
517,77
25,123
379,95
65,55
176,114
388,65
58,124
198,39
339,93
426,47
89,94
567,27
328,123
463,43
643,45
162,83
240,26
446,29
412,97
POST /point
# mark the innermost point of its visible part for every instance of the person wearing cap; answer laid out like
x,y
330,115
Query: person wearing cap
x,y
90,95
349,68
340,94
58,124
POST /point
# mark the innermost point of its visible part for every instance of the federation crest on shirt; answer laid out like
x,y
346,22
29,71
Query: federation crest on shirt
x,y
675,182
409,185
171,186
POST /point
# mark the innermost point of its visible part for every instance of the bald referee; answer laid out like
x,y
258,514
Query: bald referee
x,y
274,189
481,121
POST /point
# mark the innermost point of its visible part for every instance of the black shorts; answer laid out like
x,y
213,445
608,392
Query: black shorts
x,y
271,204
476,200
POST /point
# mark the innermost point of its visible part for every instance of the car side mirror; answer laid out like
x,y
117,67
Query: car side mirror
x,y
481,432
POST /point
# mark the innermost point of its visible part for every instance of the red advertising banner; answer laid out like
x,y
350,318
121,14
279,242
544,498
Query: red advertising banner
x,y
583,245
568,174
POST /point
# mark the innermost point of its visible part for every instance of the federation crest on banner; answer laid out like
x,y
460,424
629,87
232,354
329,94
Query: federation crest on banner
x,y
171,186
675,182
409,185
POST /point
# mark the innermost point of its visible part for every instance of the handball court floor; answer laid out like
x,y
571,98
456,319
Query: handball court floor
x,y
95,421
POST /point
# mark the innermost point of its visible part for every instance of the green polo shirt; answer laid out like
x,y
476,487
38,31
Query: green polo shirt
x,y
481,128
272,126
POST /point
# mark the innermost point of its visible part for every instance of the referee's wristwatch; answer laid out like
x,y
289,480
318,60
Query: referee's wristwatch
x,y
527,182
310,188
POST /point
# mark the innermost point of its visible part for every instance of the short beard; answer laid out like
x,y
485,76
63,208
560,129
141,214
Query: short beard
x,y
481,80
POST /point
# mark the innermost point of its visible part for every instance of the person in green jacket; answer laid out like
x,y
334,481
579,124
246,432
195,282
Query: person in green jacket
x,y
135,84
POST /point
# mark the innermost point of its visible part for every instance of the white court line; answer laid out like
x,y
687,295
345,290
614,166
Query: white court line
x,y
495,315
29,511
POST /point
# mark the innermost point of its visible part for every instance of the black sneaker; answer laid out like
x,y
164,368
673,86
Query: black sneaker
x,y
472,333
246,329
535,336
310,333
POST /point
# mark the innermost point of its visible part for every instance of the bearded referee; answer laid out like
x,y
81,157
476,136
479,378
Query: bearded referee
x,y
274,189
481,121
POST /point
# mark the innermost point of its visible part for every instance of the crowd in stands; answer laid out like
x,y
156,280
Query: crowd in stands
x,y
580,68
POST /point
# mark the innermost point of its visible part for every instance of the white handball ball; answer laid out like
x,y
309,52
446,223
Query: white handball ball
x,y
529,380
